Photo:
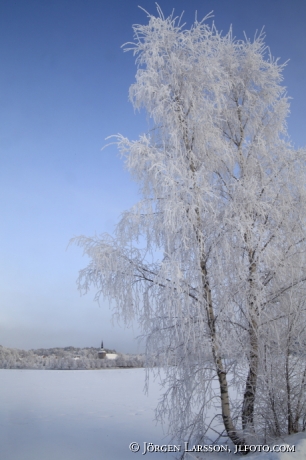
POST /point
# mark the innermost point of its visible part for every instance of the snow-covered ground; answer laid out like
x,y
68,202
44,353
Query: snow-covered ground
x,y
89,415
76,415
298,440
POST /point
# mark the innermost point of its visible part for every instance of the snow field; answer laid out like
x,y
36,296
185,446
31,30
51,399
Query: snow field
x,y
76,415
91,415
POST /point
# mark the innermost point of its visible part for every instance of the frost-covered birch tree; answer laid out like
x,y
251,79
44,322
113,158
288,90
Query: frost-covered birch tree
x,y
208,258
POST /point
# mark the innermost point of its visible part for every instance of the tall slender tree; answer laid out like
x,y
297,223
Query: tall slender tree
x,y
222,215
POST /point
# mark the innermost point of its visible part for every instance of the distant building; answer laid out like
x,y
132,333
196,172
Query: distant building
x,y
102,352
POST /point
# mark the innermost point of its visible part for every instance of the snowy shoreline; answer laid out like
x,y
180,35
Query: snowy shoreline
x,y
68,358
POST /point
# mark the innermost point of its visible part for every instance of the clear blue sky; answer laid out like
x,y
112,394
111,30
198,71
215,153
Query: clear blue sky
x,y
63,89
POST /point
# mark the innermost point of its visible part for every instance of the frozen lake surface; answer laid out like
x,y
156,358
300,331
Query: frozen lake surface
x,y
90,415
77,415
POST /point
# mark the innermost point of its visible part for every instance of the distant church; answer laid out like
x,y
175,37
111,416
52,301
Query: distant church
x,y
102,352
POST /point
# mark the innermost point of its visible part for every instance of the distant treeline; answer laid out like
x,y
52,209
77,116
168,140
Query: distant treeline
x,y
64,358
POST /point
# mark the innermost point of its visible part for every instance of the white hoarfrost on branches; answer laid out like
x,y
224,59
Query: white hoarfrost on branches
x,y
219,284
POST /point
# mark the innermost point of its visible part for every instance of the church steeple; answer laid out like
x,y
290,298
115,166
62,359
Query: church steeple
x,y
102,352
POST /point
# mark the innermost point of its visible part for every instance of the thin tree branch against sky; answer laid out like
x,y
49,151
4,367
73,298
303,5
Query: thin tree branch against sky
x,y
64,89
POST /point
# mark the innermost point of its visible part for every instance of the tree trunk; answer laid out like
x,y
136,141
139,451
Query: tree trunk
x,y
251,381
288,388
250,386
221,372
